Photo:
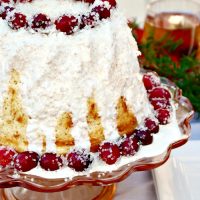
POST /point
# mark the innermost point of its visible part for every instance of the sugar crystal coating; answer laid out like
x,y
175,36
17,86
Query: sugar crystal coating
x,y
109,153
26,161
79,160
6,156
129,146
163,116
51,162
159,93
144,136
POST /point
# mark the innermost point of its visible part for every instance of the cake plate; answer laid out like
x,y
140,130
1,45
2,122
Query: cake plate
x,y
97,185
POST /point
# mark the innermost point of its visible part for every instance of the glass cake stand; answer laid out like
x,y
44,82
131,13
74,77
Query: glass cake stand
x,y
97,185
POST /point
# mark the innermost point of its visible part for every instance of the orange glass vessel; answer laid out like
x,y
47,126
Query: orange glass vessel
x,y
175,20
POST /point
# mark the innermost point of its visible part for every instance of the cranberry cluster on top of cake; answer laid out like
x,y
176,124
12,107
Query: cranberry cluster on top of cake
x,y
66,23
109,152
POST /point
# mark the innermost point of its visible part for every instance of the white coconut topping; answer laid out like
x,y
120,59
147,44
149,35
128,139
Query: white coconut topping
x,y
59,73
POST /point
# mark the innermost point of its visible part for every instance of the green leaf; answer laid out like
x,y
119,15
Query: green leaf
x,y
185,74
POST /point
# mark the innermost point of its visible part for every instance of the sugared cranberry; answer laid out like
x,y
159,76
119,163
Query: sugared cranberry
x,y
144,136
159,93
23,1
111,2
26,161
163,116
109,153
150,81
89,20
66,24
40,21
89,1
160,103
6,156
5,1
129,146
102,11
151,125
51,162
18,21
79,160
5,12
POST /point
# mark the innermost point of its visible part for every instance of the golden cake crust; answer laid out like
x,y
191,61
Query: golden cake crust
x,y
14,121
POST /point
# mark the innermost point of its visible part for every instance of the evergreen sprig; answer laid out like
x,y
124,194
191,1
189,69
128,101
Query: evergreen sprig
x,y
184,72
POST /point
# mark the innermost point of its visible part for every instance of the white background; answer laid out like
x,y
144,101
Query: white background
x,y
134,8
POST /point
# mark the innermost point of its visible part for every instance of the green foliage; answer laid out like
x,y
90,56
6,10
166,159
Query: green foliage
x,y
184,72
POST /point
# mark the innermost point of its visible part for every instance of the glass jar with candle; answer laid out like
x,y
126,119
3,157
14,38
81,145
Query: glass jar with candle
x,y
177,19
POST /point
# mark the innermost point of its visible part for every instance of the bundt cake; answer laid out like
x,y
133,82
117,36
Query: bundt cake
x,y
71,90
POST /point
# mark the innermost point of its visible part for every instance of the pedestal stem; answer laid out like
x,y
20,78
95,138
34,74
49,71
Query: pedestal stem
x,y
84,192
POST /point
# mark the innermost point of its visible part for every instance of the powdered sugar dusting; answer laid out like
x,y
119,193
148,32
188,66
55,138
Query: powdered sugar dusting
x,y
53,8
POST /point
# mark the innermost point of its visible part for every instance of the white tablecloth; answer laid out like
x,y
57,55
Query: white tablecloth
x,y
139,186
134,9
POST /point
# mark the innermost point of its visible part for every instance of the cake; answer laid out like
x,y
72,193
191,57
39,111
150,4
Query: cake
x,y
71,90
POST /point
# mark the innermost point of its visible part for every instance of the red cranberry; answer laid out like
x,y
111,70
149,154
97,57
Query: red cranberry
x,y
40,21
51,162
66,24
23,1
111,2
102,11
79,160
5,1
150,81
26,161
18,21
6,156
88,1
7,9
160,103
151,125
163,116
129,146
159,93
89,20
109,153
144,136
